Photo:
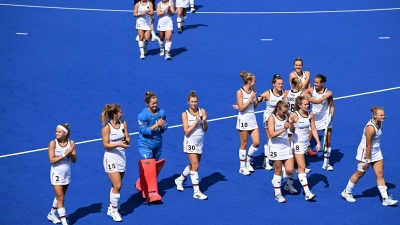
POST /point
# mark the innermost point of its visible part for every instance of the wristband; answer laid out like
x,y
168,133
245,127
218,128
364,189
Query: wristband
x,y
367,160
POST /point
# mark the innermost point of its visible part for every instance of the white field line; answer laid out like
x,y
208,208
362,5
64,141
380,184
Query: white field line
x,y
130,11
211,120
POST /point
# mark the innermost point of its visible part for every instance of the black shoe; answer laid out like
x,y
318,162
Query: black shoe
x,y
180,30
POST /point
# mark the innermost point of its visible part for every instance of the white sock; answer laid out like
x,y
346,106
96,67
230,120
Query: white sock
x,y
327,155
304,181
141,45
291,178
266,154
242,157
383,191
183,20
284,174
184,174
250,153
191,3
179,21
54,206
276,182
168,46
63,215
153,34
194,176
350,186
161,44
114,198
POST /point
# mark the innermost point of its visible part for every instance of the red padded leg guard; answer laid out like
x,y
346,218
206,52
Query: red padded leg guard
x,y
148,180
159,165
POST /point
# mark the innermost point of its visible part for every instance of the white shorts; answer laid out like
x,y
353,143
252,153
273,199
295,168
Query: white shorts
x,y
182,4
246,122
320,122
280,154
60,177
193,147
300,148
114,163
165,24
265,120
143,24
376,154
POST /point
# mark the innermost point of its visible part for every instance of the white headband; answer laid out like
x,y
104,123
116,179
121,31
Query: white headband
x,y
63,129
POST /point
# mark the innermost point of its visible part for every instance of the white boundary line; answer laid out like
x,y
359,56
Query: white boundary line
x,y
211,120
130,11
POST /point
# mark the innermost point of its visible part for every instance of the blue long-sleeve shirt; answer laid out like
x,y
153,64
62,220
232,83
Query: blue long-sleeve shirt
x,y
151,138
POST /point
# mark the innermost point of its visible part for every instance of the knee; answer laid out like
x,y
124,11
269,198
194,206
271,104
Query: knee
x,y
194,167
256,144
289,172
60,199
379,174
245,142
117,187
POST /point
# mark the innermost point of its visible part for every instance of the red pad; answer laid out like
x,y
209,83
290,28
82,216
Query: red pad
x,y
159,166
148,176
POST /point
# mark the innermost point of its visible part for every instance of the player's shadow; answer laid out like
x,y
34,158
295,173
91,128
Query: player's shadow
x,y
335,157
210,180
197,7
132,203
194,26
166,183
374,191
155,51
258,161
315,178
84,211
177,51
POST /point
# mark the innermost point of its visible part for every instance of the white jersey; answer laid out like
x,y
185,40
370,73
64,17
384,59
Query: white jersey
x,y
60,172
302,78
193,142
302,126
279,148
320,111
115,159
182,3
291,98
375,145
271,103
165,21
247,119
143,22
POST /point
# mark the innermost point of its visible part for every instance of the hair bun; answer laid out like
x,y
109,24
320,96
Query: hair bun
x,y
373,108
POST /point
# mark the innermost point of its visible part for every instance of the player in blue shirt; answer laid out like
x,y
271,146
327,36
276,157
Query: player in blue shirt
x,y
152,124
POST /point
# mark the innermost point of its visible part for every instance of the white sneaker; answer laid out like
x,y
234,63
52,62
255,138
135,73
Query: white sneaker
x,y
142,56
388,201
249,167
244,171
137,38
53,218
308,170
192,10
348,196
179,184
162,52
200,195
167,56
309,196
280,198
290,188
327,167
155,38
114,214
267,166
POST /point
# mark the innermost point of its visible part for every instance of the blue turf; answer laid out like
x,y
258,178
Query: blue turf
x,y
72,63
